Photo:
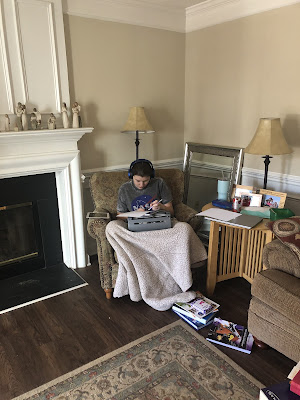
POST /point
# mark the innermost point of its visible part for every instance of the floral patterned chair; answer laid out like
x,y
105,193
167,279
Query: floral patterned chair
x,y
104,188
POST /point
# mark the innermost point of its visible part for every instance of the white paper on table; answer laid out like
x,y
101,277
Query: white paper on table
x,y
219,214
135,214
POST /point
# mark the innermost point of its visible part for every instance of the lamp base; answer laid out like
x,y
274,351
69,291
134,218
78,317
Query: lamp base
x,y
137,143
267,162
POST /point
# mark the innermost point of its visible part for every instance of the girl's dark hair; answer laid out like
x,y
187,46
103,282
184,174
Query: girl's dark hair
x,y
142,169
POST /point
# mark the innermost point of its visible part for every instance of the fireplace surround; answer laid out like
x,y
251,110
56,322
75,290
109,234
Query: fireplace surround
x,y
29,153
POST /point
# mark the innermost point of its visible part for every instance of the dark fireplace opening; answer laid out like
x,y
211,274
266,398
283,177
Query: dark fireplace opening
x,y
30,236
21,246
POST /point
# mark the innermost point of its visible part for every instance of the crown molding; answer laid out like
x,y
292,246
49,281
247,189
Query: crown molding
x,y
134,12
213,12
145,13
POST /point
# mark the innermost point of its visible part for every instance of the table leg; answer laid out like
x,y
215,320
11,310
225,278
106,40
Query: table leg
x,y
212,257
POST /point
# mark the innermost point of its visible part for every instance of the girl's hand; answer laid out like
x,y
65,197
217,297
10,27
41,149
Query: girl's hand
x,y
155,205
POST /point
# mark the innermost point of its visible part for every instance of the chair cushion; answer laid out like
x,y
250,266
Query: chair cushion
x,y
174,179
280,291
274,318
274,329
104,188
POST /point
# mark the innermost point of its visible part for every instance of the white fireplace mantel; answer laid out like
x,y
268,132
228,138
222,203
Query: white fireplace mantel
x,y
44,151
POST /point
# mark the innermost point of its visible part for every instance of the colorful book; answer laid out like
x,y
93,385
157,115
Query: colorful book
x,y
199,307
199,318
203,304
194,322
295,384
231,335
279,391
294,371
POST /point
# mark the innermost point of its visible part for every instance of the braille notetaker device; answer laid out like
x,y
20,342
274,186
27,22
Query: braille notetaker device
x,y
153,220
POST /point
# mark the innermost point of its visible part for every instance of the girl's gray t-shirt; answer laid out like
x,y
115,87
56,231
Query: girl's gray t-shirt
x,y
130,198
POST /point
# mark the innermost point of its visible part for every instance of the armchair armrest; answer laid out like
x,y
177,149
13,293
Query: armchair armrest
x,y
184,213
277,255
96,228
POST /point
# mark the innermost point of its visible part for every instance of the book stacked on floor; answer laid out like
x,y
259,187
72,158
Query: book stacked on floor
x,y
295,384
198,312
279,391
231,335
294,375
287,390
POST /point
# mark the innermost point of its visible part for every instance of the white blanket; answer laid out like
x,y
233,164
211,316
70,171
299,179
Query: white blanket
x,y
155,265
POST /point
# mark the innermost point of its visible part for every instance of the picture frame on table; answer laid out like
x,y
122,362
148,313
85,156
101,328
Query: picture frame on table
x,y
251,199
272,199
238,190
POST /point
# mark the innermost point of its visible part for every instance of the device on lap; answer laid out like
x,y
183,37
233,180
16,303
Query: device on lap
x,y
140,160
150,221
104,215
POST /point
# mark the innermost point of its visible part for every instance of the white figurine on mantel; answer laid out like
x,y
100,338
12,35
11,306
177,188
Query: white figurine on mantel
x,y
24,119
76,117
38,118
52,121
7,123
65,118
19,112
33,121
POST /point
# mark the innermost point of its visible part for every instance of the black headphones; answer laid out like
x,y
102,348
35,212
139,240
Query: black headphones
x,y
140,160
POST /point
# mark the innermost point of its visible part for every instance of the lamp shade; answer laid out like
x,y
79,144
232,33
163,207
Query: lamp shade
x,y
137,121
268,138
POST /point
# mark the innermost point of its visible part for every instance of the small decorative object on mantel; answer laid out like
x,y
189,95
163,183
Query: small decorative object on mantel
x,y
76,117
52,121
33,121
38,118
7,123
24,119
19,112
65,118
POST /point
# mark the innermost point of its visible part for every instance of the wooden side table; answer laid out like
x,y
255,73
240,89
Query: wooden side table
x,y
234,252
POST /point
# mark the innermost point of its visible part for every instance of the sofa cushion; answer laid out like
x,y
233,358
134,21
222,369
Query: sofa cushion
x,y
288,232
280,291
277,255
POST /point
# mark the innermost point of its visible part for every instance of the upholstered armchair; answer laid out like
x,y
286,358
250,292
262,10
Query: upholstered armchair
x,y
274,312
104,188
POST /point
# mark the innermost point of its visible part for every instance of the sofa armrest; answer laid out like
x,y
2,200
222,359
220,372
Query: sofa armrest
x,y
184,213
277,255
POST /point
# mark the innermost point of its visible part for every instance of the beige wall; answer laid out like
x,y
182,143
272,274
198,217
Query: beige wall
x,y
239,71
114,66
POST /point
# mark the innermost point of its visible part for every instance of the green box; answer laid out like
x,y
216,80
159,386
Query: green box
x,y
280,213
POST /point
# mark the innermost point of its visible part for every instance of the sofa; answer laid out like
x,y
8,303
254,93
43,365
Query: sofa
x,y
104,188
274,311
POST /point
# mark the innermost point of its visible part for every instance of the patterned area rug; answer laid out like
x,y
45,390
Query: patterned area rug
x,y
174,362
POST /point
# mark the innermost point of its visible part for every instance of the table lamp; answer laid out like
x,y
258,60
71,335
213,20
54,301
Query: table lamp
x,y
137,122
269,140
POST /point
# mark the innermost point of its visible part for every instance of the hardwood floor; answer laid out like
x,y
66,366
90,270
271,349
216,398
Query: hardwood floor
x,y
47,339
